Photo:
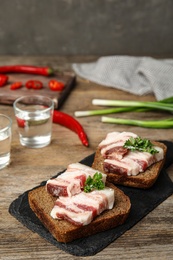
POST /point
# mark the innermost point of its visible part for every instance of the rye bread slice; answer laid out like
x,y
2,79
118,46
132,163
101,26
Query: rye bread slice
x,y
41,202
143,180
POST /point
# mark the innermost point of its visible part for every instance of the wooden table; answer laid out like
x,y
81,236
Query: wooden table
x,y
151,238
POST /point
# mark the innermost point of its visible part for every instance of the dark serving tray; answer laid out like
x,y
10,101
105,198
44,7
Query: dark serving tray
x,y
142,201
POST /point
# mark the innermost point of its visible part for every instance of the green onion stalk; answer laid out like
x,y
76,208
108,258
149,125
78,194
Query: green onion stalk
x,y
127,106
164,124
135,104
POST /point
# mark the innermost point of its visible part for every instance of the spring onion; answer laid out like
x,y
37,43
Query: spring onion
x,y
127,107
104,111
121,103
165,123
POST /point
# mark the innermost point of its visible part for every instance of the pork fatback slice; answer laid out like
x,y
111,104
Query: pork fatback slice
x,y
114,137
125,166
85,169
71,181
62,187
82,208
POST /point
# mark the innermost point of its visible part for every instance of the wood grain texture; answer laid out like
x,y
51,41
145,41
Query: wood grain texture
x,y
151,238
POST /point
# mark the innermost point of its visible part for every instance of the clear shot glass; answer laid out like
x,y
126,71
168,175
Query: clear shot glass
x,y
34,119
5,140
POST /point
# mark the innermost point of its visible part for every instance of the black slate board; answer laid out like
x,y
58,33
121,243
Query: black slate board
x,y
143,202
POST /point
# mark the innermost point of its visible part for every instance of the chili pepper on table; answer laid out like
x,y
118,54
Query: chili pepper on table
x,y
20,122
3,80
16,85
66,121
34,84
71,123
56,85
44,71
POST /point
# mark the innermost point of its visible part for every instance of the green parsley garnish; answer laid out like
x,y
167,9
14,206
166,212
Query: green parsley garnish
x,y
94,183
143,145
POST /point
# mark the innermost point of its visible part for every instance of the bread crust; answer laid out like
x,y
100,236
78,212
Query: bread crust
x,y
143,180
41,202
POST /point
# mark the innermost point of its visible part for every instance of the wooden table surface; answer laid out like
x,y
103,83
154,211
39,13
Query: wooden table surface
x,y
151,238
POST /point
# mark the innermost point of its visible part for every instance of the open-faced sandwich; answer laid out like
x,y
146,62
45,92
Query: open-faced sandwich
x,y
78,203
84,200
129,160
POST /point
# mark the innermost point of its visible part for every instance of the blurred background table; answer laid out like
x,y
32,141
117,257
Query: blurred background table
x,y
151,238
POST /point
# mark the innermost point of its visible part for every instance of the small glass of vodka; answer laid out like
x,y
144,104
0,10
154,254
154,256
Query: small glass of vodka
x,y
34,119
5,140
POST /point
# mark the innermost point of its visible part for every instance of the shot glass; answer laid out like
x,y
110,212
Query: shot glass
x,y
34,119
5,140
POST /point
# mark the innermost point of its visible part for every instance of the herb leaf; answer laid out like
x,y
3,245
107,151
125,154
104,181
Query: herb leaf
x,y
143,145
94,183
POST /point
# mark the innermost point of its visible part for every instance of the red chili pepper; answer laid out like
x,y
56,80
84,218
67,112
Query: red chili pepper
x,y
71,123
35,84
16,85
45,71
56,85
20,122
3,80
28,84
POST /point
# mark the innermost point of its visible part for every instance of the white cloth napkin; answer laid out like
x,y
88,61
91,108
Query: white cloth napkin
x,y
137,75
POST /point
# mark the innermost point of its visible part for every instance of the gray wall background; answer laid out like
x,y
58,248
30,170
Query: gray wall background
x,y
86,27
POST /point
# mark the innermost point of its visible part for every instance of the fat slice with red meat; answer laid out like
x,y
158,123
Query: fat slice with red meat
x,y
82,208
133,162
71,181
110,137
63,187
113,144
114,137
84,169
115,150
144,159
125,166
